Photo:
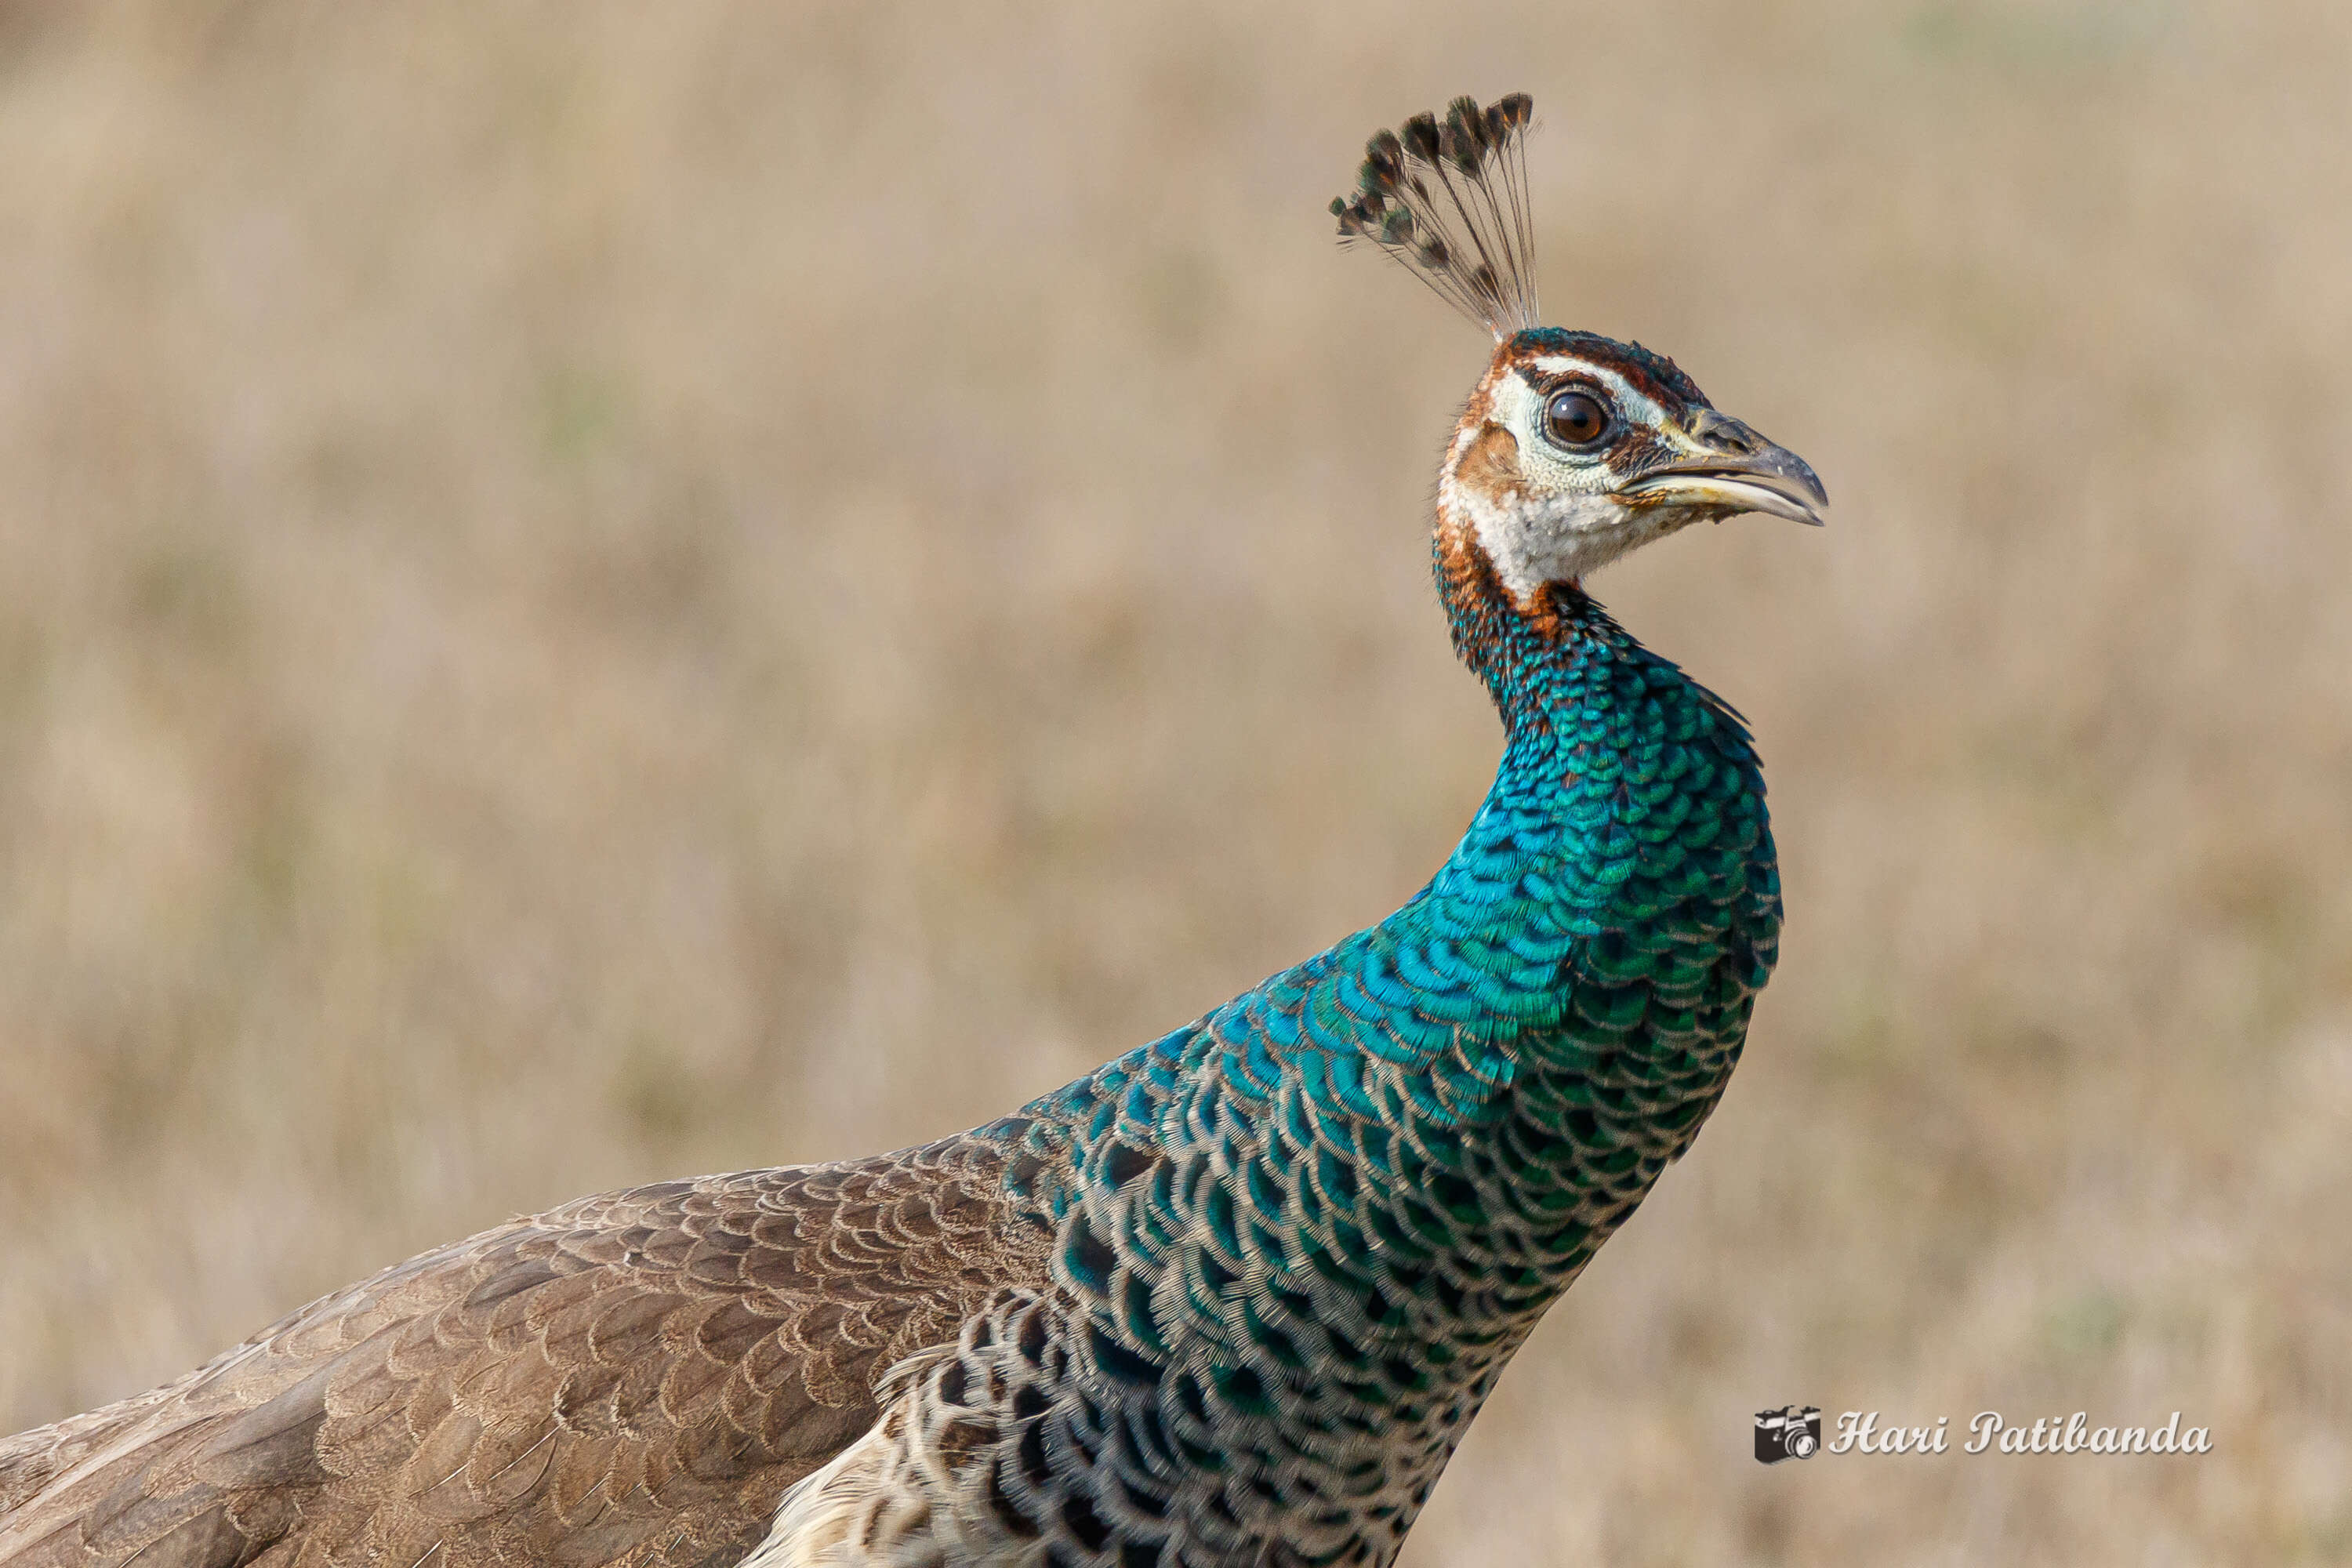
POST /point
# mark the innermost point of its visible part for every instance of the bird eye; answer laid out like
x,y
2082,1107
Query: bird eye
x,y
1575,419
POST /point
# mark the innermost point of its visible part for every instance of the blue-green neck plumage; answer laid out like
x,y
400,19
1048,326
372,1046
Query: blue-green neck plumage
x,y
1324,1214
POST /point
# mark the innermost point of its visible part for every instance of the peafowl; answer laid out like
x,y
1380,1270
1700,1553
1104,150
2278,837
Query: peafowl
x,y
1231,1298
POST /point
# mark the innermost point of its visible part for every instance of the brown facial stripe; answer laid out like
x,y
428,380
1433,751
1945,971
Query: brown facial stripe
x,y
1636,451
1491,466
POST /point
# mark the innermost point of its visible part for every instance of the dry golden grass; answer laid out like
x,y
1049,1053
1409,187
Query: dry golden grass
x,y
594,592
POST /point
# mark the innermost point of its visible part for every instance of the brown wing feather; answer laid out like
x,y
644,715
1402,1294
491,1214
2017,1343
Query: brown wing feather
x,y
633,1379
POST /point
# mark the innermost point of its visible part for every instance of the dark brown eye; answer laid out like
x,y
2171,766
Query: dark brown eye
x,y
1575,419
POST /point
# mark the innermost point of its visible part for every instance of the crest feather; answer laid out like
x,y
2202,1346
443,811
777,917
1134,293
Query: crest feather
x,y
1448,198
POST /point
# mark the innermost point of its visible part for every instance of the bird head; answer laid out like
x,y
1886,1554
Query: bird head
x,y
1575,448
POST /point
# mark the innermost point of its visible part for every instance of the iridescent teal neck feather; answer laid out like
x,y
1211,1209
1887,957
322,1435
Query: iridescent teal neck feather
x,y
1305,1233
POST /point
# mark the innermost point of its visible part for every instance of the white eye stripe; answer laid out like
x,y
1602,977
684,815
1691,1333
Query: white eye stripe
x,y
1638,407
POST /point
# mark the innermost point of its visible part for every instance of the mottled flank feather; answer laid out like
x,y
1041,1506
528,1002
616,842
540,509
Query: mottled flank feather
x,y
632,1379
1449,199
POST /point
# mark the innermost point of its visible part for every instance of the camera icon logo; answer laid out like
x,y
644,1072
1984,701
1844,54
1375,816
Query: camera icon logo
x,y
1788,1433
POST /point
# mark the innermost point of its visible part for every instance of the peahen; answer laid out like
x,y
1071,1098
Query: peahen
x,y
1230,1298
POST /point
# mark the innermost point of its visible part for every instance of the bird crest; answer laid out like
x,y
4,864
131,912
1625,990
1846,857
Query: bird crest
x,y
1448,198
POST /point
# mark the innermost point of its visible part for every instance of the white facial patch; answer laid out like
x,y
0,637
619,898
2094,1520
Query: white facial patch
x,y
1562,521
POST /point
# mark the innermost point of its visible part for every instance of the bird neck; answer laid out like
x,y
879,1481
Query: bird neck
x,y
1326,1212
1530,654
1628,800
1621,856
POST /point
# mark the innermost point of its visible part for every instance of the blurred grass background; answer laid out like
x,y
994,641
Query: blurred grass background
x,y
591,593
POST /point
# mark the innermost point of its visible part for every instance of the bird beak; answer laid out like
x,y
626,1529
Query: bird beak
x,y
1738,471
